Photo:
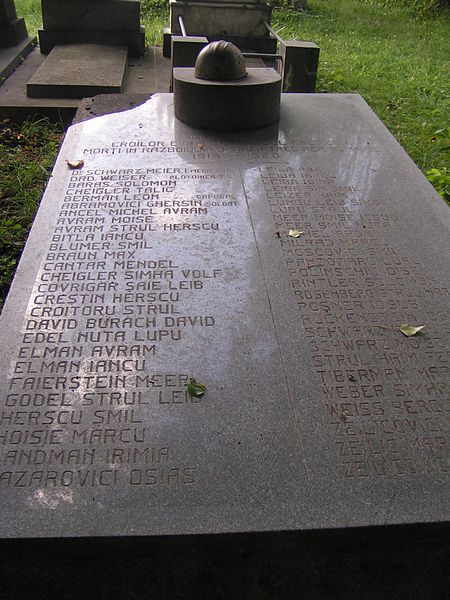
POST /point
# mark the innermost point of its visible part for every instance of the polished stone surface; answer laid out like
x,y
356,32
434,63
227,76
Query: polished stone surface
x,y
168,256
299,66
78,71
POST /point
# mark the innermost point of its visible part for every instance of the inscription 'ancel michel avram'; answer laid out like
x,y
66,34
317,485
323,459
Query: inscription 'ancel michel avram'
x,y
167,259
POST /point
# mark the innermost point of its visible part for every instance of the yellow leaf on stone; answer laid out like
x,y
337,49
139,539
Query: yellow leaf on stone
x,y
75,164
410,330
195,389
295,233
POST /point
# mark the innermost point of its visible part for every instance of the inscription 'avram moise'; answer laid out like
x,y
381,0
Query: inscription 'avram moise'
x,y
83,387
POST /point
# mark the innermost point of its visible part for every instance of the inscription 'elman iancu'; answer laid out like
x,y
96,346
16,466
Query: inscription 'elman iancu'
x,y
105,302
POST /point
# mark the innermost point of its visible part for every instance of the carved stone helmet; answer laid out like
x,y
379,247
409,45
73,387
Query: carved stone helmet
x,y
220,61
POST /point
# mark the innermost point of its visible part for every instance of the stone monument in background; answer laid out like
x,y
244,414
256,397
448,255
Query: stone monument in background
x,y
239,22
88,42
111,22
14,41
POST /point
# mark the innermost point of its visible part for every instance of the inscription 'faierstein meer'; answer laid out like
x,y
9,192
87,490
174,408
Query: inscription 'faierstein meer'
x,y
168,256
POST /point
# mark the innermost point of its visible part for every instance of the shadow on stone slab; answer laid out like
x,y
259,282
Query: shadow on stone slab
x,y
367,563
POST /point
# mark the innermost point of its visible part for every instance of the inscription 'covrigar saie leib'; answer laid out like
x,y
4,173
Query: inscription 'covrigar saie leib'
x,y
103,303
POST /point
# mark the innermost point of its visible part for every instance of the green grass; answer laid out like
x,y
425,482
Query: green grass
x,y
31,11
27,154
398,63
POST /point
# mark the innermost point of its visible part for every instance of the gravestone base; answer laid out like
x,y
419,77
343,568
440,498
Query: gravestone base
x,y
79,71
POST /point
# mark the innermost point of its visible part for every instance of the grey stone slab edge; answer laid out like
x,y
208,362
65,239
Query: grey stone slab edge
x,y
106,104
11,58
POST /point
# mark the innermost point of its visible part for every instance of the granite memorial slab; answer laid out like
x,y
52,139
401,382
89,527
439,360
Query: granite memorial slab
x,y
275,267
79,71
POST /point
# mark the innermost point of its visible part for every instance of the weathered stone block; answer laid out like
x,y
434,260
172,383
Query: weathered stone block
x,y
299,66
135,42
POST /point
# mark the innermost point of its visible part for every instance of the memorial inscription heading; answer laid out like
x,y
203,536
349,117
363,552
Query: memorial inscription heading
x,y
168,256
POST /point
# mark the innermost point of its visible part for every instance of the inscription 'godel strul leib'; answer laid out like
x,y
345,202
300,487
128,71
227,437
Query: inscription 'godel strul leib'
x,y
168,256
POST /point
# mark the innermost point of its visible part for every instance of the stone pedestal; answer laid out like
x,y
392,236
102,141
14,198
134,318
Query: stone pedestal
x,y
109,22
247,103
299,66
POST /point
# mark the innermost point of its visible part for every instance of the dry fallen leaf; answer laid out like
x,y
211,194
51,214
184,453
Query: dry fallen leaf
x,y
200,146
410,330
295,233
75,164
195,389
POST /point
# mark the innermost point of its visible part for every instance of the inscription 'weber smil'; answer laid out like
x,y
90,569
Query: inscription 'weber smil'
x,y
381,422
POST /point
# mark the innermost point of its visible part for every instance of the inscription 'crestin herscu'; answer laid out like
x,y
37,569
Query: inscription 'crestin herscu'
x,y
105,302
